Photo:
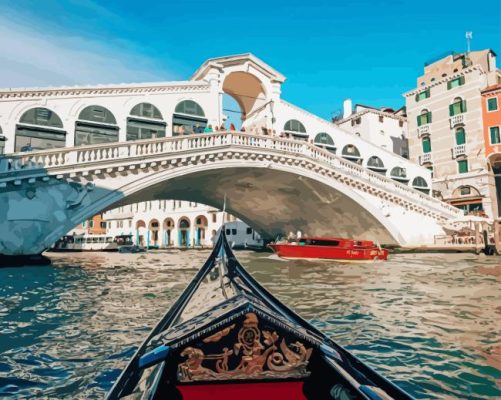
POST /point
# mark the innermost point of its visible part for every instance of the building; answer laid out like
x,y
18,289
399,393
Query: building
x,y
446,128
491,112
383,127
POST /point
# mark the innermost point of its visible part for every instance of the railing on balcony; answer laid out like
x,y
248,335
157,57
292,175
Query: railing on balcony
x,y
425,158
68,159
459,150
423,130
457,120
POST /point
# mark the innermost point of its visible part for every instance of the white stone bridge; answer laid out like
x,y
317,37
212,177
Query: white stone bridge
x,y
276,185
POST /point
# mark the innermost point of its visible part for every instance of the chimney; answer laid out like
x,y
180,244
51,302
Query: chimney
x,y
347,108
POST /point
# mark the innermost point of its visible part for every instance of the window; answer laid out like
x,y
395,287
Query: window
x,y
494,133
145,122
249,231
188,118
296,129
460,136
423,95
350,152
91,223
424,118
420,184
95,125
376,164
426,145
431,170
233,231
324,140
455,83
228,232
465,190
463,166
492,104
103,225
457,107
39,129
381,118
399,174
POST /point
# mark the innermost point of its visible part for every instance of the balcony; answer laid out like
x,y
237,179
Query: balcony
x,y
425,159
457,120
459,150
423,130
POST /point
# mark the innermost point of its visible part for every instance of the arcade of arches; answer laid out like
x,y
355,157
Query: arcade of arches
x,y
181,233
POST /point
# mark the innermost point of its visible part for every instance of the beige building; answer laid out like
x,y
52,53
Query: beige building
x,y
444,115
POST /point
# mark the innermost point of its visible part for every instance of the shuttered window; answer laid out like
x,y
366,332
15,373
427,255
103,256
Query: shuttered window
x,y
460,136
455,82
426,145
492,104
494,133
463,166
424,119
458,107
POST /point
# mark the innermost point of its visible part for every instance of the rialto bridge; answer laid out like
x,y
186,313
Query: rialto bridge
x,y
72,152
273,183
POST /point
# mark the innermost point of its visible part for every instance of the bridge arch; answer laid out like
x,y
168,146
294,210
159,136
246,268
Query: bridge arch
x,y
39,128
95,124
145,121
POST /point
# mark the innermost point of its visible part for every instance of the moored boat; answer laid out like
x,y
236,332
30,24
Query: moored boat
x,y
226,337
337,249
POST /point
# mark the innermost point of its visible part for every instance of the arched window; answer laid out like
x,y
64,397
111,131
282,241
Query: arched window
x,y
458,106
95,125
145,122
460,136
324,140
376,164
2,142
295,129
184,223
39,129
426,145
188,118
419,183
424,117
350,152
399,174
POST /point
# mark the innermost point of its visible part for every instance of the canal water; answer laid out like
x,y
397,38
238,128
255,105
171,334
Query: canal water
x,y
431,323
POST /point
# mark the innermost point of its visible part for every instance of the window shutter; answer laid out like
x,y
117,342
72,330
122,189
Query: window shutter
x,y
429,117
449,85
464,105
418,120
461,80
451,110
416,97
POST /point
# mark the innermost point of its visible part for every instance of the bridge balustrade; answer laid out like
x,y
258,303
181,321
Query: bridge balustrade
x,y
68,157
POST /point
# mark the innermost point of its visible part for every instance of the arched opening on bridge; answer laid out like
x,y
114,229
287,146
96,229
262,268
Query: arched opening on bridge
x,y
325,141
295,129
351,153
95,125
419,183
200,229
468,198
184,232
2,141
153,233
246,91
399,174
140,231
168,226
145,122
375,164
188,118
39,129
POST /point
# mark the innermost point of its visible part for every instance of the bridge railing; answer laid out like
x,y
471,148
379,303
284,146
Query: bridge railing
x,y
66,157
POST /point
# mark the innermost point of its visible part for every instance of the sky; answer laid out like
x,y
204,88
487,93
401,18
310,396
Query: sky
x,y
369,51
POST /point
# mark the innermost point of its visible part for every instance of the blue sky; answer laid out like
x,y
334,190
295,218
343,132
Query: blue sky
x,y
370,51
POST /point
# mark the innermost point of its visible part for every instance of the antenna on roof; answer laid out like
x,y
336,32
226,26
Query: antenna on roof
x,y
469,37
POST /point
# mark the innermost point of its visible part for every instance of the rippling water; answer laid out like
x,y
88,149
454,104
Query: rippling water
x,y
431,323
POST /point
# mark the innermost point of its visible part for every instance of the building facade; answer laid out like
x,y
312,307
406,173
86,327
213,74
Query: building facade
x,y
446,129
384,127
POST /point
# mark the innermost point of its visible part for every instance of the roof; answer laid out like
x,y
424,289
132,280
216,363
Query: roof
x,y
374,111
226,61
492,89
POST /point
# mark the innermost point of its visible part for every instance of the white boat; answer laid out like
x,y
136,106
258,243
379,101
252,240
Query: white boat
x,y
86,242
241,236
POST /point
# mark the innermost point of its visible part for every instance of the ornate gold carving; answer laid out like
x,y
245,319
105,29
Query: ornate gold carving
x,y
259,358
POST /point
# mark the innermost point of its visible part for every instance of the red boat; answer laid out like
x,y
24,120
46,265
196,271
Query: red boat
x,y
330,248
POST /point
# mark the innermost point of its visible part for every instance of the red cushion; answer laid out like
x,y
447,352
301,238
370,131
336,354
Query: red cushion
x,y
244,391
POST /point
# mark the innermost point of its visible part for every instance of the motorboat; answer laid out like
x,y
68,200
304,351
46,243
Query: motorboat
x,y
336,249
226,337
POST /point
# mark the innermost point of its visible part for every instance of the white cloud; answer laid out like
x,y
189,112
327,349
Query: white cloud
x,y
29,57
